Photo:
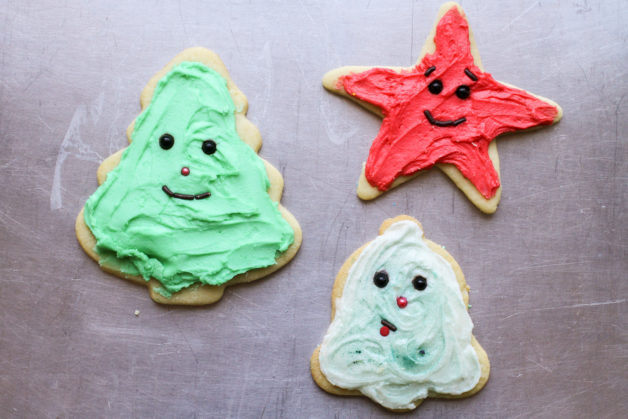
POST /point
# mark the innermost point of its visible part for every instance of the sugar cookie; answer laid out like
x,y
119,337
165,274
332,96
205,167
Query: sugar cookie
x,y
188,207
400,329
444,111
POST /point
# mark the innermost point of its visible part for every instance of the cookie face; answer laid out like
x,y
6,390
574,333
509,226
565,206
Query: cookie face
x,y
401,331
444,111
188,204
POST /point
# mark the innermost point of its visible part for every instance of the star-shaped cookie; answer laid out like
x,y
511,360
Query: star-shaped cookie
x,y
443,111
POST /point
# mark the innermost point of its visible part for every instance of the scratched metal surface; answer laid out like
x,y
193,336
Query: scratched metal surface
x,y
547,271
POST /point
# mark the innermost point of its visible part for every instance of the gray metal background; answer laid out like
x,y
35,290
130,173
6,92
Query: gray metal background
x,y
547,271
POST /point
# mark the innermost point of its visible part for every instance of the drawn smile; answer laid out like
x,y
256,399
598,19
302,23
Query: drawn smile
x,y
184,196
440,123
389,325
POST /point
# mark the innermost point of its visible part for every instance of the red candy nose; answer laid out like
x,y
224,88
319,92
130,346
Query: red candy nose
x,y
185,171
402,302
384,331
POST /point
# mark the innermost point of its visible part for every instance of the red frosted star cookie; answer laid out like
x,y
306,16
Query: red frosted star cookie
x,y
443,111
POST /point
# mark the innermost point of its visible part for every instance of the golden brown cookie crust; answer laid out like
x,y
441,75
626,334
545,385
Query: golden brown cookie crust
x,y
199,294
336,293
365,190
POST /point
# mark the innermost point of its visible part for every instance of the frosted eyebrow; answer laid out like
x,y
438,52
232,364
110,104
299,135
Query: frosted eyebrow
x,y
429,70
470,74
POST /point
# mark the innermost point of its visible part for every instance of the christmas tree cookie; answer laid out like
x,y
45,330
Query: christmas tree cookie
x,y
189,207
400,329
444,111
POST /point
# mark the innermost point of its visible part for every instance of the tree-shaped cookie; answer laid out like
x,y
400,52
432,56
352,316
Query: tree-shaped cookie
x,y
189,207
445,111
400,329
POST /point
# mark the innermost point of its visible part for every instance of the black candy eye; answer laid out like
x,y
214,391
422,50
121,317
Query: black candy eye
x,y
419,282
209,146
463,91
380,279
435,87
166,141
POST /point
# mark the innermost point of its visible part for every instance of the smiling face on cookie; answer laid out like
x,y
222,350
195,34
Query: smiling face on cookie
x,y
189,201
190,140
401,328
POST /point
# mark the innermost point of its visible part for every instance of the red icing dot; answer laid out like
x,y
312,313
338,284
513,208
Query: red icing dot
x,y
402,302
185,171
384,331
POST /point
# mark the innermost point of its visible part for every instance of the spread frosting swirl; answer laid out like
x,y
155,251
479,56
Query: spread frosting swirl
x,y
428,348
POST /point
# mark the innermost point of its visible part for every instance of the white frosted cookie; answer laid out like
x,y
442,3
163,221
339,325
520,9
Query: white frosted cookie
x,y
400,329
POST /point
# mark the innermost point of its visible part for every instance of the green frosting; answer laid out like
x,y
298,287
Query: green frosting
x,y
141,230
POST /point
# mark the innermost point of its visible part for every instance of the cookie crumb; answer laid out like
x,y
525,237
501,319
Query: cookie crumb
x,y
137,313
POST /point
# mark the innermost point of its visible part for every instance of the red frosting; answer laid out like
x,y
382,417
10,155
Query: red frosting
x,y
408,142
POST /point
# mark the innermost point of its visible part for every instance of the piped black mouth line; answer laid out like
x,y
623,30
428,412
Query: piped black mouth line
x,y
389,325
202,195
438,123
185,196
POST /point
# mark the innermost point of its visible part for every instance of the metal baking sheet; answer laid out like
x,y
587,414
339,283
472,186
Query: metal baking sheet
x,y
547,271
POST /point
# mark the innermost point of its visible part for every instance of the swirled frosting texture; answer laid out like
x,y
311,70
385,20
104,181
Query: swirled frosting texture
x,y
407,142
431,348
143,231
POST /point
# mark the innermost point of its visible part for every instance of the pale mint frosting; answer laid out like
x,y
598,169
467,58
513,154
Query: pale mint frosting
x,y
431,349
